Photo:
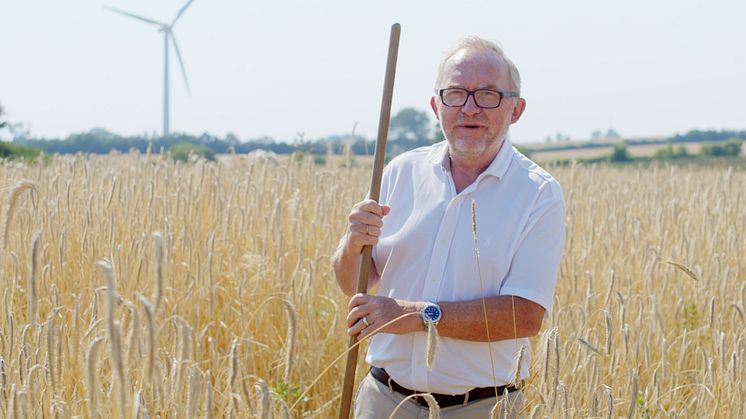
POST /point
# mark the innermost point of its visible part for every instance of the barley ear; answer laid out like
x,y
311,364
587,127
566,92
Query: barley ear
x,y
21,186
518,366
265,398
150,318
113,329
432,345
33,310
432,404
158,271
195,383
290,340
90,376
208,396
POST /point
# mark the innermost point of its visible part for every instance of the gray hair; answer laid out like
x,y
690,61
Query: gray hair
x,y
477,43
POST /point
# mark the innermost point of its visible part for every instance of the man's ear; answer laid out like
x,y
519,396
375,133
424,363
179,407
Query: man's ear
x,y
518,109
434,106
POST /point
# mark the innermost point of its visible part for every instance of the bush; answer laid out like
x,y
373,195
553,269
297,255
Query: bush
x,y
669,152
729,148
182,151
319,160
620,153
14,151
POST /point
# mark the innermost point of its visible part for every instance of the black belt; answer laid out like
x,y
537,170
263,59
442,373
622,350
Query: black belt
x,y
444,400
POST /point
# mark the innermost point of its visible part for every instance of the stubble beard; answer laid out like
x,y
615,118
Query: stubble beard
x,y
475,149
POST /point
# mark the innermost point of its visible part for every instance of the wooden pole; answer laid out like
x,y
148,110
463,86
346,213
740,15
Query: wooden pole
x,y
375,191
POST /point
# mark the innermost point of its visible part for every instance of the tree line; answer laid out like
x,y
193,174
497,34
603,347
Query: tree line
x,y
408,129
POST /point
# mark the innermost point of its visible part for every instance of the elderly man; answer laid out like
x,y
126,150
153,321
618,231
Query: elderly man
x,y
425,264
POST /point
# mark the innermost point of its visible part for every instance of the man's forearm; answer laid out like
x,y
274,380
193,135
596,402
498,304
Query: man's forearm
x,y
346,267
466,319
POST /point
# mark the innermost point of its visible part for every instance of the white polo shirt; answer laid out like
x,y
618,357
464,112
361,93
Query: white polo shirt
x,y
426,253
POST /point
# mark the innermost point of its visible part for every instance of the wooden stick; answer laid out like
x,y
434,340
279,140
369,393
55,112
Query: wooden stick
x,y
375,191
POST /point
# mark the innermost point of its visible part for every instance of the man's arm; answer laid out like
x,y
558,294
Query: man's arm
x,y
508,317
363,229
463,320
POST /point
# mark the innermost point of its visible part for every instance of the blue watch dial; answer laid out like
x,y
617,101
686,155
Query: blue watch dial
x,y
432,313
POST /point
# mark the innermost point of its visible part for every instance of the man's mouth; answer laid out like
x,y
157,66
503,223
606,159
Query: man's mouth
x,y
469,126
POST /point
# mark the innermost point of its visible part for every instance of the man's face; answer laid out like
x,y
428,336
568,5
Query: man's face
x,y
474,133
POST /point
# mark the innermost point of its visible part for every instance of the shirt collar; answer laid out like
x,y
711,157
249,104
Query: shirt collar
x,y
439,155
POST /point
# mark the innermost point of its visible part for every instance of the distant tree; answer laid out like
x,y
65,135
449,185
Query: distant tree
x,y
729,148
182,151
410,125
12,151
699,136
669,152
596,134
620,153
3,124
438,133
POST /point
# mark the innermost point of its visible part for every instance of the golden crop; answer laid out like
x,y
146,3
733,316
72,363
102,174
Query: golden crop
x,y
136,286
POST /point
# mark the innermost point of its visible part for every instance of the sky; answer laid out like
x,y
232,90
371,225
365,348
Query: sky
x,y
314,68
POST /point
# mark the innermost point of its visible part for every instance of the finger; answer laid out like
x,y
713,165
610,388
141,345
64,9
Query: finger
x,y
373,231
356,315
356,329
371,206
357,300
364,217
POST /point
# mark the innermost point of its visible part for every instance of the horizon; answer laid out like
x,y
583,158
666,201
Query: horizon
x,y
278,70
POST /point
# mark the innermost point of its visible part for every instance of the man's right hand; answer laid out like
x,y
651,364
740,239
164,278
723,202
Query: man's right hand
x,y
364,225
363,229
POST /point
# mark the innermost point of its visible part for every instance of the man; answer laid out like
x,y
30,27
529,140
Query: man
x,y
425,264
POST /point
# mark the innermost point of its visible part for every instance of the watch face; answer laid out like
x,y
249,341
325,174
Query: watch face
x,y
432,312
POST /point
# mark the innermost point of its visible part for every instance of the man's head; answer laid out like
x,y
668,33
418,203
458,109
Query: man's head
x,y
475,123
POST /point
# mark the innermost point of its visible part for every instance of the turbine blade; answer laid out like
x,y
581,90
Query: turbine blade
x,y
132,15
181,12
181,63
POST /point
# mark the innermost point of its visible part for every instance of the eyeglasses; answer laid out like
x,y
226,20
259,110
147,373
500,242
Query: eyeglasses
x,y
483,98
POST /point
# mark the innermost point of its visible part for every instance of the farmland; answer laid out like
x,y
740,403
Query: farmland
x,y
134,286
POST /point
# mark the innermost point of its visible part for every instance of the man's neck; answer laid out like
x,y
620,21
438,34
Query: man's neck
x,y
465,171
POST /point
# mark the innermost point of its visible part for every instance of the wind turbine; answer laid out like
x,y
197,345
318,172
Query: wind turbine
x,y
167,30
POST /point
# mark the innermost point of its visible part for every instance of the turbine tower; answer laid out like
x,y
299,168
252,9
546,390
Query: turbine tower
x,y
168,33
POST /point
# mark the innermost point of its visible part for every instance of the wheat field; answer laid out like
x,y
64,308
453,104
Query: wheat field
x,y
134,286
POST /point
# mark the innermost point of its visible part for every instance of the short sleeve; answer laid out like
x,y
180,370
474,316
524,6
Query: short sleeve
x,y
535,263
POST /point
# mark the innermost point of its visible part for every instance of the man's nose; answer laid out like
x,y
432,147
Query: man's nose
x,y
470,107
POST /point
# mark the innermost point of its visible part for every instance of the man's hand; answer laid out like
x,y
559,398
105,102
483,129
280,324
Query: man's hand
x,y
377,311
365,222
364,228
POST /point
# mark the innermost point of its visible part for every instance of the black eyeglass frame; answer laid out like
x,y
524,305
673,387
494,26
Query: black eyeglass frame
x,y
472,93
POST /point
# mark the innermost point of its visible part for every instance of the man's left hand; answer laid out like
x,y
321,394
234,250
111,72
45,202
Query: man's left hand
x,y
366,313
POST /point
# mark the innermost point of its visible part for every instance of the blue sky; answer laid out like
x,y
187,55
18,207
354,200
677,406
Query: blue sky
x,y
645,68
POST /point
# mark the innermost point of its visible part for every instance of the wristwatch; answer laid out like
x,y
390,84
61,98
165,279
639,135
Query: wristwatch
x,y
431,314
